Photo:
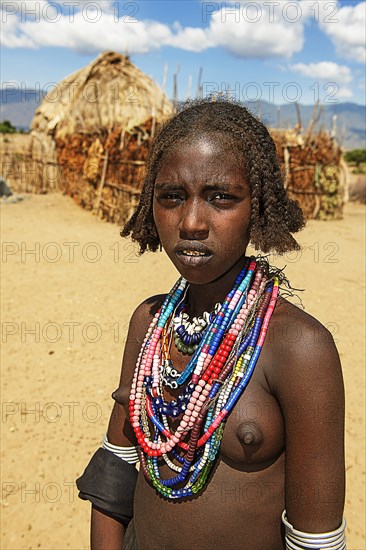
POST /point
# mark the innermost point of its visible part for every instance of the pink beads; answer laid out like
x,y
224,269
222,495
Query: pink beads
x,y
148,404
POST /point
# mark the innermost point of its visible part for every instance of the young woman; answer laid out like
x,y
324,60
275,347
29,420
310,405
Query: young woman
x,y
238,428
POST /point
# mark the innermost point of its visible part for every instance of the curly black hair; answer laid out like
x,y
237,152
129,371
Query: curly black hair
x,y
273,215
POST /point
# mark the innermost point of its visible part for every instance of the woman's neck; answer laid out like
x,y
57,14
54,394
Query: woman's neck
x,y
202,298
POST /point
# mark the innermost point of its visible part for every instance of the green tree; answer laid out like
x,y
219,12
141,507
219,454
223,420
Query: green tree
x,y
357,156
6,127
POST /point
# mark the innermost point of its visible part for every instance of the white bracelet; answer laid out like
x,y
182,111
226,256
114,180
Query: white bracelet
x,y
128,454
298,540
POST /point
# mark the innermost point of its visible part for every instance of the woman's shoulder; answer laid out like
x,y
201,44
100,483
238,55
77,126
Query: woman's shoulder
x,y
145,311
293,327
141,319
301,348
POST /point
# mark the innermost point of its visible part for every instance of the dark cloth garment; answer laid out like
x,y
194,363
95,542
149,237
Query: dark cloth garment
x,y
109,483
129,541
5,190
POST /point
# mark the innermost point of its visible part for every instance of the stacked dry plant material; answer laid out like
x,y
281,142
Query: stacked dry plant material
x,y
25,166
105,173
99,122
313,172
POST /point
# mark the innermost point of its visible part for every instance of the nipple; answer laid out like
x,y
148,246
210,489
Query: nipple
x,y
249,433
121,396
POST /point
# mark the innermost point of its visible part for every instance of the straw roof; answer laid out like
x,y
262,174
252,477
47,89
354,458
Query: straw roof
x,y
109,92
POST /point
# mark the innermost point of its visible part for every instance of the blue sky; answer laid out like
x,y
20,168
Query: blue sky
x,y
278,51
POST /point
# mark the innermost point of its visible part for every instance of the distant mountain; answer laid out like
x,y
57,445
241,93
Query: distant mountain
x,y
350,122
18,106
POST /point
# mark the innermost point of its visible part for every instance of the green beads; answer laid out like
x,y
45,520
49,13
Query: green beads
x,y
216,442
202,479
186,350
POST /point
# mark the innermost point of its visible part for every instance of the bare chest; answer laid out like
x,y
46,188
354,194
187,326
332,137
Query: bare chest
x,y
254,431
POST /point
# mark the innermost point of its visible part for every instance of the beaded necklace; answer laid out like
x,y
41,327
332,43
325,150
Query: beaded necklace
x,y
212,382
187,335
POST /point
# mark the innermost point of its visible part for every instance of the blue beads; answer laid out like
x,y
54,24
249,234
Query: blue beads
x,y
172,409
255,331
172,481
194,472
215,388
177,457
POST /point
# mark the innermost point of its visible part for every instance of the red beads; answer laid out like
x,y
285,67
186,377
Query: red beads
x,y
213,362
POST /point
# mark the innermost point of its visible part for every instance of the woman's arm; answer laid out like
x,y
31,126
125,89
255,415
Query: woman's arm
x,y
107,532
308,385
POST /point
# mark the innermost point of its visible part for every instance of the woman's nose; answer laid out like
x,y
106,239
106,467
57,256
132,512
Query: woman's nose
x,y
193,225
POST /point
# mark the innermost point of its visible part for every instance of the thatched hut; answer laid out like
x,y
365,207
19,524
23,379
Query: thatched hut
x,y
94,127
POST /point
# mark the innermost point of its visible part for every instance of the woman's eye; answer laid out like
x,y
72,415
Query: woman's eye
x,y
222,197
174,197
171,197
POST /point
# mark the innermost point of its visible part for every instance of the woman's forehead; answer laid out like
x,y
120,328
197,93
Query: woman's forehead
x,y
200,163
212,148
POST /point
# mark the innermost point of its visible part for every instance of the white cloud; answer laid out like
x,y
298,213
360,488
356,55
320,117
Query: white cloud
x,y
30,7
192,39
32,10
259,39
232,27
86,37
324,70
20,6
344,93
104,4
348,34
11,36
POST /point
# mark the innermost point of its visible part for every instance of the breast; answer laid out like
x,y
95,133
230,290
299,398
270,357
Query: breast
x,y
254,432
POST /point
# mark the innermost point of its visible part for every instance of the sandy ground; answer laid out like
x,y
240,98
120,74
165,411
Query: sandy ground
x,y
69,286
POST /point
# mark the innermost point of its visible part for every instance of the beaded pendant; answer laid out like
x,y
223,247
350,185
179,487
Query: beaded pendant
x,y
210,385
187,335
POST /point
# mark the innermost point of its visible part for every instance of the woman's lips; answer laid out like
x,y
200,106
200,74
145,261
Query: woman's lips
x,y
193,261
193,257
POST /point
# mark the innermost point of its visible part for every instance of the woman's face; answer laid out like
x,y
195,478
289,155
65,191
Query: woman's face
x,y
202,208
